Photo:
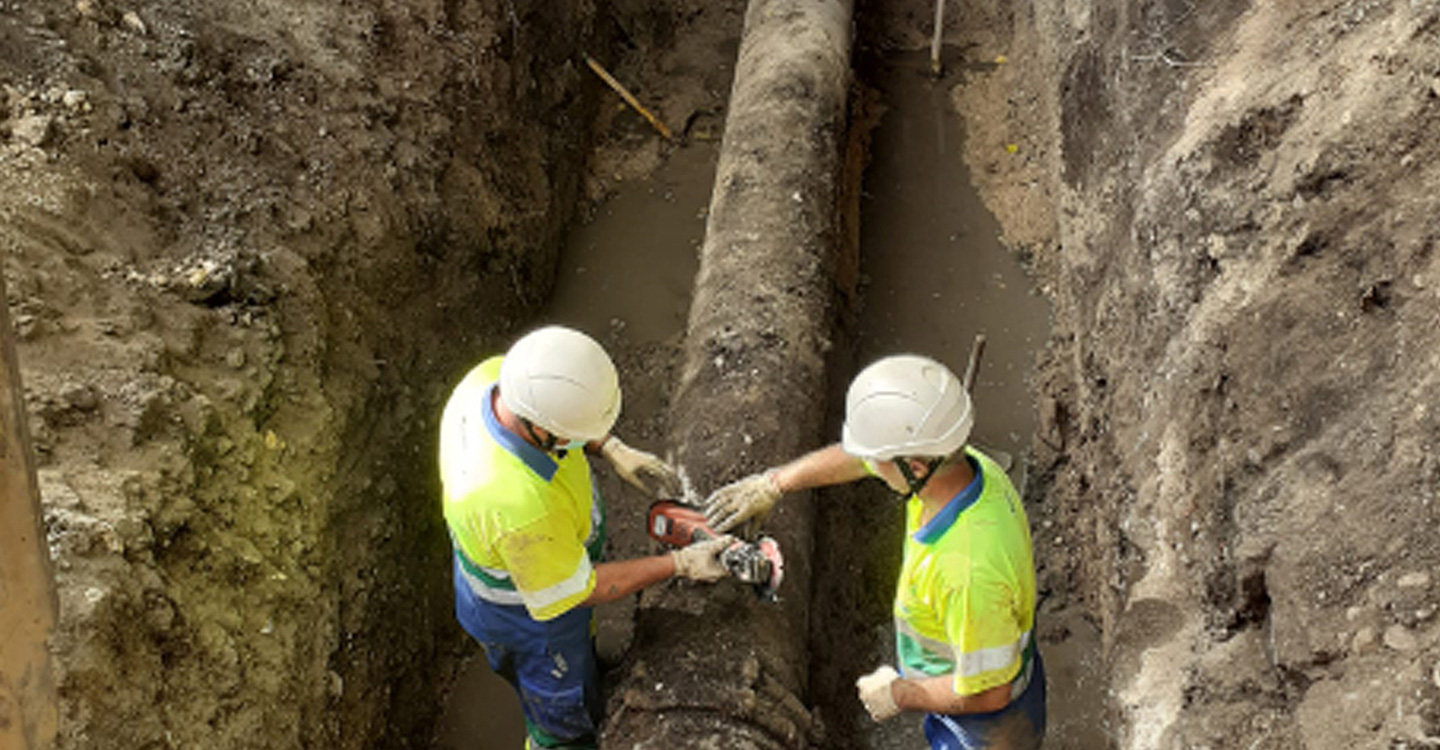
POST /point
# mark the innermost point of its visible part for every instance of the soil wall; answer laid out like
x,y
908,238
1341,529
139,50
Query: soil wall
x,y
28,605
249,248
1231,206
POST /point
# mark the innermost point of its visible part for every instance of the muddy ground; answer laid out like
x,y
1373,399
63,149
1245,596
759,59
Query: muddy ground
x,y
249,246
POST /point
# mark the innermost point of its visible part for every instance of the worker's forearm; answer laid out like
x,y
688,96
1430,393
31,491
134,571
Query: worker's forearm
x,y
614,580
937,695
821,468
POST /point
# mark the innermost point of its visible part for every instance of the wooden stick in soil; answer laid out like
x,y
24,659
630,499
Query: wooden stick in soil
x,y
935,40
27,590
976,351
627,96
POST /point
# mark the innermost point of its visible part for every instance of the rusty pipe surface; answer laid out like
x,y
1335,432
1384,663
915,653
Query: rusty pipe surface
x,y
714,666
28,606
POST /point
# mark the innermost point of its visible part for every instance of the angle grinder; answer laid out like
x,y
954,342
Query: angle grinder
x,y
757,563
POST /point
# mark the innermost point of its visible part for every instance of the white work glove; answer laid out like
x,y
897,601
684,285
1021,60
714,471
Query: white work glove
x,y
701,560
751,497
644,470
876,695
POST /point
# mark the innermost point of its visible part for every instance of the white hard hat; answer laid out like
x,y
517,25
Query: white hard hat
x,y
906,405
563,381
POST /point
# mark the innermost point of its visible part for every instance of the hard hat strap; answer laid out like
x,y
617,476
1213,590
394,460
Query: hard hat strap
x,y
548,444
917,484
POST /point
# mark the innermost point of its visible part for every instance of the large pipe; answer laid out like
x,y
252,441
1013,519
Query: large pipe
x,y
28,708
717,667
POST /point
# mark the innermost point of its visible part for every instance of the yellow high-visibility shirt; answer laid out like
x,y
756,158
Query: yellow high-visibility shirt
x,y
528,525
965,603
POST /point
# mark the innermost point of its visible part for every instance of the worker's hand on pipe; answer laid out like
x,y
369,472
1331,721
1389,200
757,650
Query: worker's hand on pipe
x,y
701,560
644,470
741,500
876,694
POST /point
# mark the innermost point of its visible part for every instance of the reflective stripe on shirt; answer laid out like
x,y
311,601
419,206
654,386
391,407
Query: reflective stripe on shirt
x,y
972,663
495,586
483,590
537,601
940,649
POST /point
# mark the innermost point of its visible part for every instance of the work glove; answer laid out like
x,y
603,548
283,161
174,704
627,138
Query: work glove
x,y
701,560
876,695
645,471
751,497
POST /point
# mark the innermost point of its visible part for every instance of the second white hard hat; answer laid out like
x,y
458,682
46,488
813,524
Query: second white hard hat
x,y
906,405
563,381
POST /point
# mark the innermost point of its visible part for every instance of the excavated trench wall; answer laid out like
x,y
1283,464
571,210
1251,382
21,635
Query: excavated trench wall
x,y
722,668
1235,460
249,247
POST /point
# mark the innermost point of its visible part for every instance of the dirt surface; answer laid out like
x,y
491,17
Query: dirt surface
x,y
249,247
1231,208
245,244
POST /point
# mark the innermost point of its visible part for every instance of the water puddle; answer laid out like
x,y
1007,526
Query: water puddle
x,y
937,272
633,263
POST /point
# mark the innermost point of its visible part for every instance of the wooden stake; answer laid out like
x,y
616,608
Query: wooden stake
x,y
627,96
935,41
976,351
27,590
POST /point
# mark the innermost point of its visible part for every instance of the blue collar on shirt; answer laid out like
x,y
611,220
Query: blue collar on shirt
x,y
539,461
937,526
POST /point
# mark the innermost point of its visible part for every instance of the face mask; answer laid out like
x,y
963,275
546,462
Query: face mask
x,y
573,445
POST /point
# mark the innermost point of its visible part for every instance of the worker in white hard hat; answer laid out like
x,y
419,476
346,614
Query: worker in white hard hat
x,y
528,526
964,606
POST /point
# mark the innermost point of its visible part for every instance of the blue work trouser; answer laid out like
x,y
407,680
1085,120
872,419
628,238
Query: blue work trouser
x,y
1018,726
551,665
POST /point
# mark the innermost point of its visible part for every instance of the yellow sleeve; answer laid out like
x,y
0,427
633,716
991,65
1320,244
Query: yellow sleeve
x,y
986,640
551,570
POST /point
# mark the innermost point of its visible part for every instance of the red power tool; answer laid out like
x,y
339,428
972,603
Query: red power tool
x,y
757,563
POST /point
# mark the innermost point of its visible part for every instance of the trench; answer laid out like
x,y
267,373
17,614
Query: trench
x,y
248,246
932,275
626,276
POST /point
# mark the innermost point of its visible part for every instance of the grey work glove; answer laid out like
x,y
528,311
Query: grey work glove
x,y
876,694
701,560
645,471
741,500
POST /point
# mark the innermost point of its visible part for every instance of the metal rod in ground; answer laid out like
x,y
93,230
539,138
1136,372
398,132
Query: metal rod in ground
x,y
935,40
977,350
27,589
627,96
972,369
